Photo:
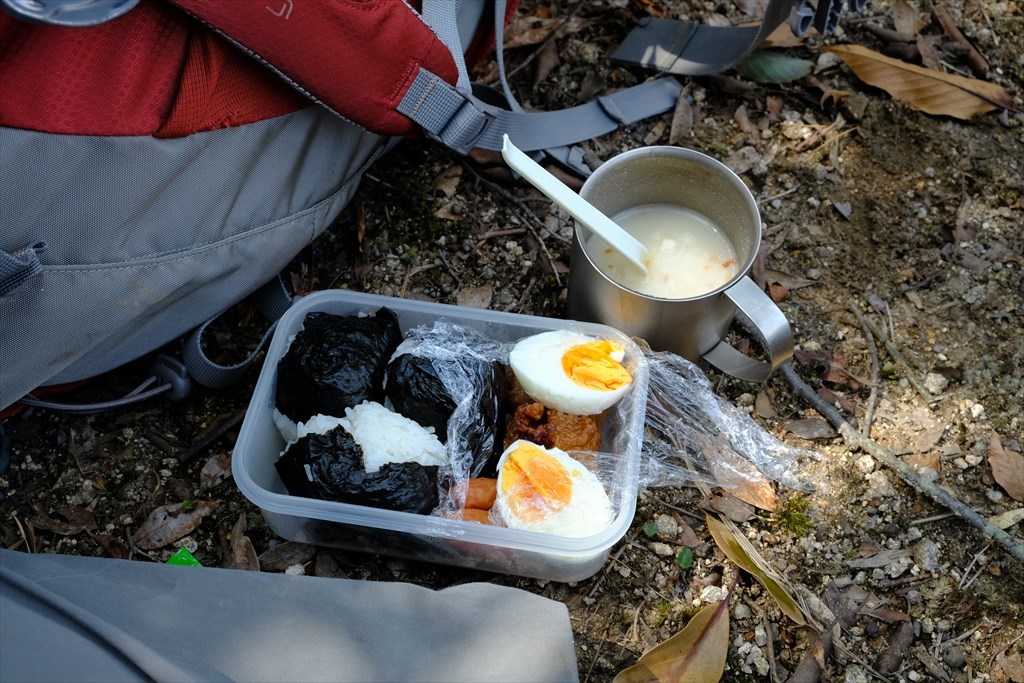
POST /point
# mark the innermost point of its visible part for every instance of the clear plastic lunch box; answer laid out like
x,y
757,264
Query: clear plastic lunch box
x,y
424,537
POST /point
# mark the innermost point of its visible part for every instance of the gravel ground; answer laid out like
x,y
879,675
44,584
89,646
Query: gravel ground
x,y
873,212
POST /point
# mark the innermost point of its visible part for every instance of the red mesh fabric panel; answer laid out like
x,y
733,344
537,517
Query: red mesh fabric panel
x,y
114,79
357,56
222,87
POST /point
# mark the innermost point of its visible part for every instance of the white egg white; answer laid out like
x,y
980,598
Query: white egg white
x,y
537,364
589,510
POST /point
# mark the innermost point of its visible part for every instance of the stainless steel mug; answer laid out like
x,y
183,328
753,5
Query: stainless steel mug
x,y
695,327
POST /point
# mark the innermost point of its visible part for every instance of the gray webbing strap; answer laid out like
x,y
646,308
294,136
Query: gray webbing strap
x,y
442,17
463,122
273,300
19,266
692,49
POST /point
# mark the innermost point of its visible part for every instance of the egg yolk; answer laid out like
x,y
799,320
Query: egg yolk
x,y
594,365
536,484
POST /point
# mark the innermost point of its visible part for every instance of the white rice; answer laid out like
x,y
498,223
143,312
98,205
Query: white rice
x,y
387,437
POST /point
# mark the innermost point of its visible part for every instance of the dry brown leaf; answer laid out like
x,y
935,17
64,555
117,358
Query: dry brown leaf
x,y
763,406
783,36
740,551
1008,518
739,477
906,17
900,641
1008,668
216,471
694,655
283,555
1007,468
168,523
448,180
242,551
682,118
730,506
811,428
919,461
930,91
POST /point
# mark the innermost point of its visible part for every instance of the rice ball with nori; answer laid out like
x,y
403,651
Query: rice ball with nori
x,y
335,362
428,390
371,457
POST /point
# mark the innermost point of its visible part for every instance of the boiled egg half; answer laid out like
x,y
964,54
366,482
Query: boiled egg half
x,y
570,371
543,489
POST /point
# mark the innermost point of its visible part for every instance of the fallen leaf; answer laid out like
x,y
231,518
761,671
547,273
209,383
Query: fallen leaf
x,y
79,519
766,66
474,297
782,36
790,282
882,559
899,645
928,90
1007,468
778,292
920,461
682,118
834,399
243,554
547,61
1008,518
447,212
832,368
964,229
763,406
283,555
216,471
168,523
1010,667
742,479
447,181
694,655
811,429
906,17
844,209
112,546
327,565
754,9
812,664
721,502
740,551
886,614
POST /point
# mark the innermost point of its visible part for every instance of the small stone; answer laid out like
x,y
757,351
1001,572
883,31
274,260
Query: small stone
x,y
741,611
662,549
927,625
935,383
914,676
973,460
668,527
960,463
879,485
977,410
904,382
926,555
745,399
995,495
712,594
813,274
944,626
865,464
954,658
760,636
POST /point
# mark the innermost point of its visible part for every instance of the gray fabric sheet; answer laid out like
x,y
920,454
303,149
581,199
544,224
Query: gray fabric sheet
x,y
93,619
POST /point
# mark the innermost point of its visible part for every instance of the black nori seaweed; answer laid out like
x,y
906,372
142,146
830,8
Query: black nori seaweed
x,y
336,362
416,390
335,464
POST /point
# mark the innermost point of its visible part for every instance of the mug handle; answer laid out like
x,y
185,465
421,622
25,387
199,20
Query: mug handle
x,y
759,315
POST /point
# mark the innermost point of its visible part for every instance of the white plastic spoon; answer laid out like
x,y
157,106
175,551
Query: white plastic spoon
x,y
577,207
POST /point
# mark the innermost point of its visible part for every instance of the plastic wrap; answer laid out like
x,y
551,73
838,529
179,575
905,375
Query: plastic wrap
x,y
693,435
335,362
465,371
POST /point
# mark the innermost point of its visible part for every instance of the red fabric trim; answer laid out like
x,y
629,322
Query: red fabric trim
x,y
356,56
117,78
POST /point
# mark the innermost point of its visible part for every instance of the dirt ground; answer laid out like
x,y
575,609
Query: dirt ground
x,y
872,211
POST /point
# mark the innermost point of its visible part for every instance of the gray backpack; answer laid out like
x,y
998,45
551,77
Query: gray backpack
x,y
153,174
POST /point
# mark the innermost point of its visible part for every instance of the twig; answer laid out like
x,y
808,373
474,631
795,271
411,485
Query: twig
x,y
210,437
978,64
498,233
854,439
899,358
414,271
869,412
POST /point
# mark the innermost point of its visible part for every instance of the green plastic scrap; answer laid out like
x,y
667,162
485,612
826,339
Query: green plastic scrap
x,y
184,558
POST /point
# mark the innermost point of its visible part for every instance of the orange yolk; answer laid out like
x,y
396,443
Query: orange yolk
x,y
535,483
592,365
